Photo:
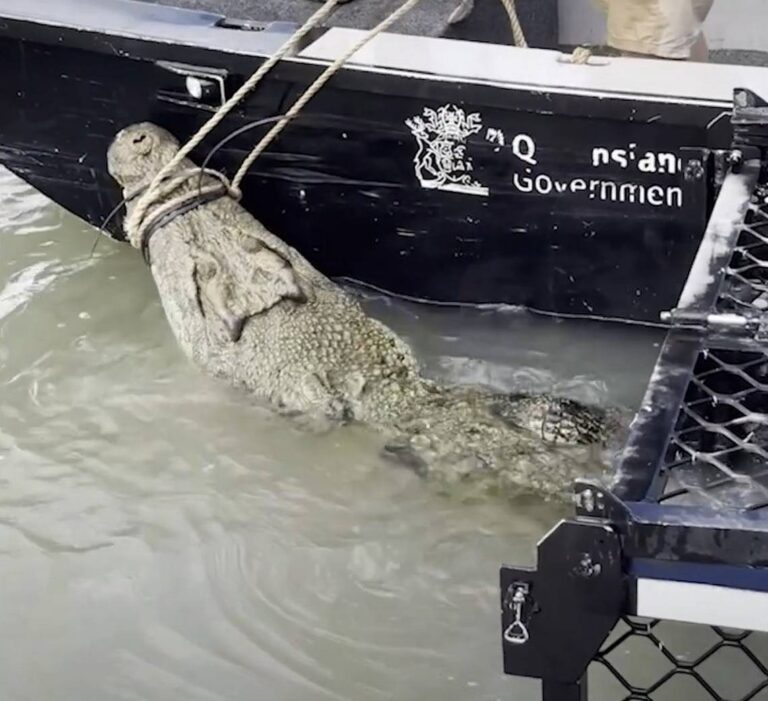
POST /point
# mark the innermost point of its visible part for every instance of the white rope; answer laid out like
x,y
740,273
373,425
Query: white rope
x,y
133,222
170,185
581,55
313,89
514,21
136,224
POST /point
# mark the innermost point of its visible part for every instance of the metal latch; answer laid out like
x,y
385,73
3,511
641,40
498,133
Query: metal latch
x,y
725,323
517,632
554,618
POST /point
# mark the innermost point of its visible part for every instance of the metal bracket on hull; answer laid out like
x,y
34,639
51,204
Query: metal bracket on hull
x,y
750,119
556,617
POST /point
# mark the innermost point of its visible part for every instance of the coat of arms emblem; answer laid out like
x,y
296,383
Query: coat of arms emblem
x,y
442,162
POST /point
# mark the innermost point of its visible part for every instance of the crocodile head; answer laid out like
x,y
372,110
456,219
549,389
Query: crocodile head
x,y
235,273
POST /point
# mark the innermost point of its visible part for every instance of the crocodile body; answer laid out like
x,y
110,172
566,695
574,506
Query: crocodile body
x,y
248,308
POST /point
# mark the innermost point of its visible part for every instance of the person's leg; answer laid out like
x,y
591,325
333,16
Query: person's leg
x,y
700,50
701,9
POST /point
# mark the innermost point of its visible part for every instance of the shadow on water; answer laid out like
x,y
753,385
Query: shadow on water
x,y
163,537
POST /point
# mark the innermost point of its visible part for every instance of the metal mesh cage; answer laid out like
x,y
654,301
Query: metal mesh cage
x,y
717,450
667,661
717,456
746,277
681,532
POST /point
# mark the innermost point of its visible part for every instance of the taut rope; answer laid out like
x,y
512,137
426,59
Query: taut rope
x,y
134,222
138,224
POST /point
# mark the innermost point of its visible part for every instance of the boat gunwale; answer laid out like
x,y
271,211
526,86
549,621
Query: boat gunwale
x,y
306,57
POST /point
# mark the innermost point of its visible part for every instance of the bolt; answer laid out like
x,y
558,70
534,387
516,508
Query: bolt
x,y
588,501
735,159
741,98
694,169
587,568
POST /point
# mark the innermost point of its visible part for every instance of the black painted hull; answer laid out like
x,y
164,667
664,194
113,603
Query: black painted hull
x,y
341,184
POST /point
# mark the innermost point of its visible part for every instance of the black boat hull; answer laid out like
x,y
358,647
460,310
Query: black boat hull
x,y
553,209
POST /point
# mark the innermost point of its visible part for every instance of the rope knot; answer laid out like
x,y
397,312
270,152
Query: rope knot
x,y
156,208
581,55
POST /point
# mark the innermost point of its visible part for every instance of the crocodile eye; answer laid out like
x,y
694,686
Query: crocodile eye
x,y
250,244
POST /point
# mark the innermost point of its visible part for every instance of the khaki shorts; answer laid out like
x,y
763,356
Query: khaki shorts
x,y
664,28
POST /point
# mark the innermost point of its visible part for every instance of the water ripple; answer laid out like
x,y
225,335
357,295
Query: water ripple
x,y
162,536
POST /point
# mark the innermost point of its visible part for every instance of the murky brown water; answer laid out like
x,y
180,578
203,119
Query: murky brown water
x,y
161,537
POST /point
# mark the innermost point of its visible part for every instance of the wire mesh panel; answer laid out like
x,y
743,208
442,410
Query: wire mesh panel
x,y
746,280
718,450
653,660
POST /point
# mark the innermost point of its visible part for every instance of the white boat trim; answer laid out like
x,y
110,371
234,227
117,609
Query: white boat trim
x,y
705,604
539,69
426,58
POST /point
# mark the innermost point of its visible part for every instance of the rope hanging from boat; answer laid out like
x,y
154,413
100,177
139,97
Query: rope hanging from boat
x,y
136,224
517,29
316,86
325,76
134,221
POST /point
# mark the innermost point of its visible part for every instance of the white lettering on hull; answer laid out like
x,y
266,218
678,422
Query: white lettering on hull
x,y
601,190
442,162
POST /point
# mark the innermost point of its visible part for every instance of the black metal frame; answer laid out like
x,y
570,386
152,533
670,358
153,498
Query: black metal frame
x,y
711,526
691,666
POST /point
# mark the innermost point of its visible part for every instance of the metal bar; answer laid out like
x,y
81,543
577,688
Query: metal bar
x,y
638,472
708,269
556,691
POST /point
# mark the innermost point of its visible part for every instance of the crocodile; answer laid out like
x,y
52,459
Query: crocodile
x,y
248,308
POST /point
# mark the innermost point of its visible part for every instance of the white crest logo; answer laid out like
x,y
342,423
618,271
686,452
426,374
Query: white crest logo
x,y
441,161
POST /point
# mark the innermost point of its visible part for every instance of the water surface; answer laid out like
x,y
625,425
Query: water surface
x,y
163,537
